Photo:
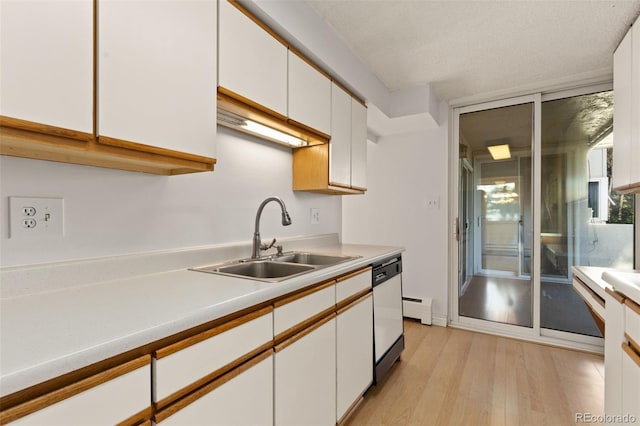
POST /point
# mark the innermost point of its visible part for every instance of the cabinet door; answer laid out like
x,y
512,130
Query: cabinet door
x,y
157,73
634,156
110,402
622,117
246,398
305,378
340,144
252,63
309,95
354,353
47,62
358,145
631,383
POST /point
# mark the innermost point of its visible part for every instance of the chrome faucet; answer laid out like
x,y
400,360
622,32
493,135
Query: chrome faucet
x,y
257,242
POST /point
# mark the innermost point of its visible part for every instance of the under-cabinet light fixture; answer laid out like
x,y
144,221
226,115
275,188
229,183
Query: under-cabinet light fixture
x,y
246,125
273,134
499,152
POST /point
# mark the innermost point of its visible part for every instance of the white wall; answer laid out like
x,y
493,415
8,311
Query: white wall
x,y
404,171
110,212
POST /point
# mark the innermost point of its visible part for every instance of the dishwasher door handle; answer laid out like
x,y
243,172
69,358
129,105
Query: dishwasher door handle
x,y
380,276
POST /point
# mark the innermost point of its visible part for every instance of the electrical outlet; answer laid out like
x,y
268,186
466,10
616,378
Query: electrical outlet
x,y
433,203
35,217
315,216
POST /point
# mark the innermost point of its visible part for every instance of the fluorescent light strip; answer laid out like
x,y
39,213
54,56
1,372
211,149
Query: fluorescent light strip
x,y
268,132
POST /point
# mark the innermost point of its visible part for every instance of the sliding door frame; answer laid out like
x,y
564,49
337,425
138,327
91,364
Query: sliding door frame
x,y
534,333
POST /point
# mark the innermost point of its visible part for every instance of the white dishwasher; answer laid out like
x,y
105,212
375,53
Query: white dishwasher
x,y
388,331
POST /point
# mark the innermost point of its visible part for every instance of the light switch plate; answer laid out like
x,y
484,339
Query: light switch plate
x,y
35,217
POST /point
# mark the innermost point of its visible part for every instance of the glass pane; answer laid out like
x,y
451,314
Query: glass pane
x,y
495,217
582,223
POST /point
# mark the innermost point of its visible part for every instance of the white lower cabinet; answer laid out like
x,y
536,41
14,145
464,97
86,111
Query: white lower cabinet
x,y
305,377
242,397
354,352
103,402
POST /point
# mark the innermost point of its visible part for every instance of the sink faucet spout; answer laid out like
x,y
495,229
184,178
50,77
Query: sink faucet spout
x,y
286,220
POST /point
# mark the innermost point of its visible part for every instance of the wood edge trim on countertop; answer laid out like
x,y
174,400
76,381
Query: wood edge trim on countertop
x,y
631,353
299,327
214,375
198,338
288,298
619,297
349,303
44,129
135,146
632,305
73,389
592,293
317,324
349,275
202,391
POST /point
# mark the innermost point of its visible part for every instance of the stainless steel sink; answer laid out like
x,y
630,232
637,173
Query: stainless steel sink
x,y
275,268
259,269
312,258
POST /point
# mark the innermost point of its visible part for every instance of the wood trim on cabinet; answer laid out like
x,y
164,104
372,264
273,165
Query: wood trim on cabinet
x,y
248,109
21,138
192,340
141,418
634,345
311,172
353,274
317,324
134,146
619,297
165,402
258,22
292,297
292,331
631,353
351,301
73,389
592,293
312,64
596,318
201,392
632,305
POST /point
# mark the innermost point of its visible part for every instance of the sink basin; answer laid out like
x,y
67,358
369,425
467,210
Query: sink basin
x,y
259,270
275,268
312,258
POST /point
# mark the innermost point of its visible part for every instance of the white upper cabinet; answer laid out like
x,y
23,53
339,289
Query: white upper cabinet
x,y
358,145
309,95
348,146
626,87
340,145
47,62
252,63
157,73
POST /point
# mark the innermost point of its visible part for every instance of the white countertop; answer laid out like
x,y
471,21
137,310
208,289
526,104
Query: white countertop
x,y
49,333
625,282
592,277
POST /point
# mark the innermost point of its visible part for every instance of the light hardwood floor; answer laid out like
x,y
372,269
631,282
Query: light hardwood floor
x,y
448,376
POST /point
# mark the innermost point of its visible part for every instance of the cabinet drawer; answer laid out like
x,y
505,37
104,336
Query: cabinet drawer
x,y
294,313
192,362
226,400
632,321
110,397
353,284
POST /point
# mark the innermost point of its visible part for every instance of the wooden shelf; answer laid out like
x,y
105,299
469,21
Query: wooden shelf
x,y
311,172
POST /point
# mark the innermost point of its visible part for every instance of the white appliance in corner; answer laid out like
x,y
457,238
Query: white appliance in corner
x,y
388,330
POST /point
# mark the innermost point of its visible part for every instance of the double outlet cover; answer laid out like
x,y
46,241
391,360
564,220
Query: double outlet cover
x,y
35,217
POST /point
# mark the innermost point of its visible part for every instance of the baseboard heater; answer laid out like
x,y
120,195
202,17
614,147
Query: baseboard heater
x,y
417,309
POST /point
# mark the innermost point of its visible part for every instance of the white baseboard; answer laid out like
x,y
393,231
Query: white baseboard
x,y
417,309
439,321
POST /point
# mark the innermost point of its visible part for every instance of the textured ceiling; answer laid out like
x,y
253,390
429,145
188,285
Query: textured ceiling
x,y
465,48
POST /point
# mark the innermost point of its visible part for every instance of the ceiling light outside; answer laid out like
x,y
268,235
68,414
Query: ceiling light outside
x,y
499,152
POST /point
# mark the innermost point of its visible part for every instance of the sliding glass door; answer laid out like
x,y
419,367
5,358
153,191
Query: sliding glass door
x,y
534,200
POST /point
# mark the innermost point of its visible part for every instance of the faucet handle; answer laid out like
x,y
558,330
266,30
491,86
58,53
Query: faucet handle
x,y
279,248
267,247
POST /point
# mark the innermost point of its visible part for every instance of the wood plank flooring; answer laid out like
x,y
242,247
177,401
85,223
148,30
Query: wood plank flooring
x,y
448,376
